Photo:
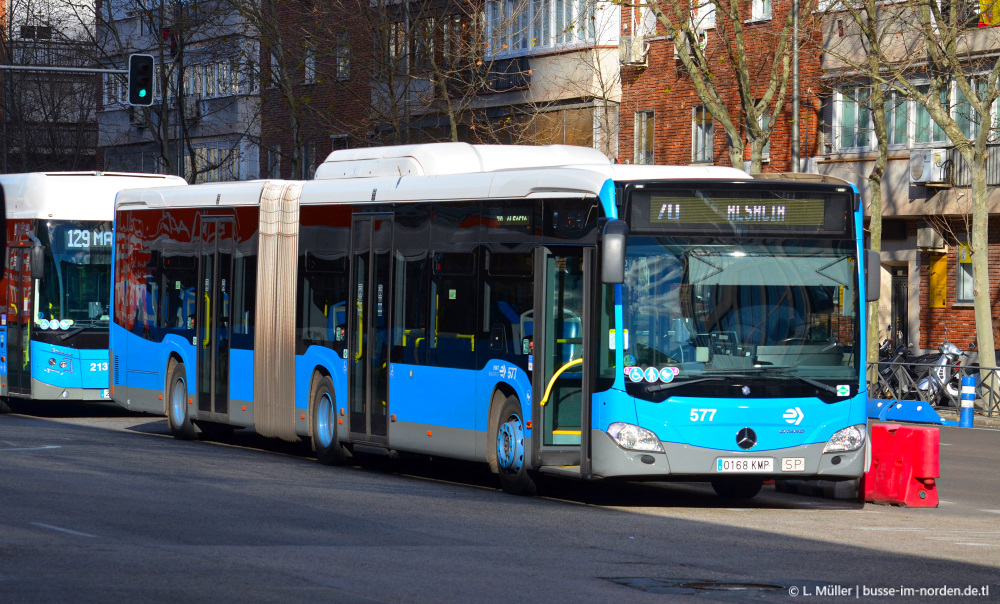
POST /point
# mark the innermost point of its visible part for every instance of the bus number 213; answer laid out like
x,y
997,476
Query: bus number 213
x,y
99,366
700,415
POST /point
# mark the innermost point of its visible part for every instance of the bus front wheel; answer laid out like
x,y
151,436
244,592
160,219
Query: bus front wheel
x,y
514,477
177,403
737,488
329,451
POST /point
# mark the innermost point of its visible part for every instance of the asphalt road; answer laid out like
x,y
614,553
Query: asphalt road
x,y
102,506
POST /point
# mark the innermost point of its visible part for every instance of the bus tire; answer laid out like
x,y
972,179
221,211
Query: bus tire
x,y
325,439
737,488
177,403
514,476
5,405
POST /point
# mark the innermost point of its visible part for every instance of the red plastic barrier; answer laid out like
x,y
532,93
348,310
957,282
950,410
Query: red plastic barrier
x,y
904,466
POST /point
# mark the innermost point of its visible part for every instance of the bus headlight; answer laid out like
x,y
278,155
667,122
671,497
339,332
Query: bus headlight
x,y
848,439
634,438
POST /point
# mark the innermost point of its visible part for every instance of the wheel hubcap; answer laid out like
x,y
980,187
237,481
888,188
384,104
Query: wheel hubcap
x,y
324,420
510,445
177,396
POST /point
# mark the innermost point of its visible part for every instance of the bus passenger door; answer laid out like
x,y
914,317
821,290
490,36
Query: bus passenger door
x,y
561,379
18,311
369,326
213,327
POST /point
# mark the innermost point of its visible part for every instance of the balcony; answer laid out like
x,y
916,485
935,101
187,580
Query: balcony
x,y
960,174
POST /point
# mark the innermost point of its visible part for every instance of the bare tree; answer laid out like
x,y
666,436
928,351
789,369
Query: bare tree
x,y
861,50
48,116
938,53
201,122
759,73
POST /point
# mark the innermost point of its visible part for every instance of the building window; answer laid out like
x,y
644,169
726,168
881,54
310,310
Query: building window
x,y
307,163
644,137
703,16
309,77
274,162
764,121
515,26
760,10
343,56
965,116
925,129
115,89
963,286
702,138
897,111
855,117
339,142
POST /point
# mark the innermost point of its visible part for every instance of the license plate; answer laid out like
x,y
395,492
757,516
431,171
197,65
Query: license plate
x,y
104,393
746,465
793,464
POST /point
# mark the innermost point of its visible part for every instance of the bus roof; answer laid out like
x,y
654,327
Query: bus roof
x,y
442,172
440,159
72,195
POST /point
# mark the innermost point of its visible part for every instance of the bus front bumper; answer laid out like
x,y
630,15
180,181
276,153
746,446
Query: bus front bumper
x,y
47,392
680,462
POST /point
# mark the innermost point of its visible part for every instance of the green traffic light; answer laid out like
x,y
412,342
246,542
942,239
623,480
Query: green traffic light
x,y
142,93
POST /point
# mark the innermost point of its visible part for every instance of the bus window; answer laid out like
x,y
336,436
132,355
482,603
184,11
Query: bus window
x,y
411,282
322,315
507,297
179,274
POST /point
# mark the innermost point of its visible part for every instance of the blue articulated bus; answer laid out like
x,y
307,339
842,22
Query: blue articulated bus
x,y
538,309
56,284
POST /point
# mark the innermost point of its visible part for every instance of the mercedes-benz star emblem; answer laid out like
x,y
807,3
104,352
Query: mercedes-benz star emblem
x,y
746,391
746,438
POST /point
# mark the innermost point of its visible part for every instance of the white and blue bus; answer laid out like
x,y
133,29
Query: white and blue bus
x,y
539,309
56,282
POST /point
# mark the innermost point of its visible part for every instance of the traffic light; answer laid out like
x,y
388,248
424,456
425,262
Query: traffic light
x,y
140,79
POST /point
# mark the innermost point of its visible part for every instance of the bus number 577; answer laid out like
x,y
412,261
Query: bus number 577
x,y
701,415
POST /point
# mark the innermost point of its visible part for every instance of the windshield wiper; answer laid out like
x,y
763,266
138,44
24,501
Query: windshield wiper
x,y
810,381
670,385
69,334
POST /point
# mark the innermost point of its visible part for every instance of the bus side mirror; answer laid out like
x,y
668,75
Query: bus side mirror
x,y
37,262
613,241
873,275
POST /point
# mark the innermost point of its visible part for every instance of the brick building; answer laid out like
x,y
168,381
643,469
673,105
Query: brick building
x,y
663,120
315,85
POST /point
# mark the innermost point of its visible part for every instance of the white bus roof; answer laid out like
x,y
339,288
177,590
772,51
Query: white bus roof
x,y
440,159
442,172
234,193
72,195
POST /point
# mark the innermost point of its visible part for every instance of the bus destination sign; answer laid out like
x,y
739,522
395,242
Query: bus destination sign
x,y
722,210
86,239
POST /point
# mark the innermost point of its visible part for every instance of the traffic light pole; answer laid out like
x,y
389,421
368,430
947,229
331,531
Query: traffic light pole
x,y
67,69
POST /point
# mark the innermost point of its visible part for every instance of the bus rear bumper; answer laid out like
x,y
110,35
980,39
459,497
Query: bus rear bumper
x,y
680,462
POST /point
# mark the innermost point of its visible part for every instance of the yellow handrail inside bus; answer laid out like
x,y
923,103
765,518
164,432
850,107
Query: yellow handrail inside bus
x,y
552,382
208,321
361,332
471,338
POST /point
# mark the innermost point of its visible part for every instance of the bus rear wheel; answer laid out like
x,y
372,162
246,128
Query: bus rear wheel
x,y
5,405
177,403
737,488
514,477
329,451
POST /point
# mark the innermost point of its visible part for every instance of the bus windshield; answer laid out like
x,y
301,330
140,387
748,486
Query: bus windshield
x,y
76,289
726,309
